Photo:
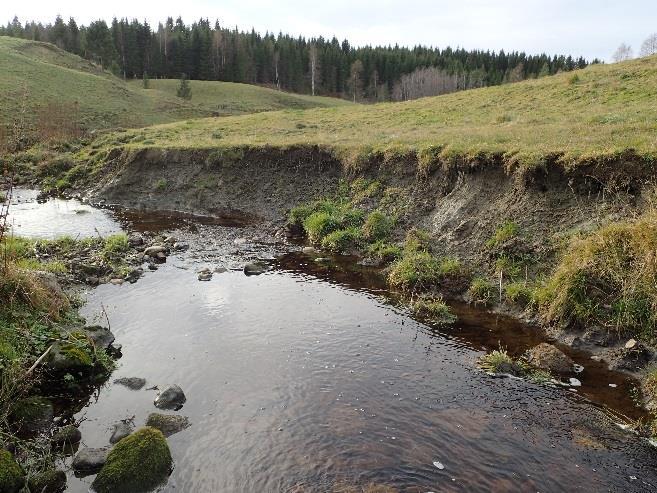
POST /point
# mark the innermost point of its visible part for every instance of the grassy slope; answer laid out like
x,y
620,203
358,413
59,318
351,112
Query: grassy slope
x,y
52,75
601,110
235,99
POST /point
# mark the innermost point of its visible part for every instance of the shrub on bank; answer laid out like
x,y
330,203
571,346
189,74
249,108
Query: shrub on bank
x,y
481,291
607,278
434,309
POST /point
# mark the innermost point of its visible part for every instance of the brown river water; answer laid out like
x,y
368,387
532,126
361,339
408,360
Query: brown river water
x,y
313,378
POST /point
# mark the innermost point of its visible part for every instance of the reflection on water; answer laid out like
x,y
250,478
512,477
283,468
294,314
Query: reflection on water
x,y
311,377
57,217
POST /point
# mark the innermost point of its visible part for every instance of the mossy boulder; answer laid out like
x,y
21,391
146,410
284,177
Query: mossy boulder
x,y
12,477
140,462
66,435
31,415
66,356
51,481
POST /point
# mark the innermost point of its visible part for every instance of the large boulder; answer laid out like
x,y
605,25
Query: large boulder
x,y
172,397
90,460
12,477
547,357
139,463
168,424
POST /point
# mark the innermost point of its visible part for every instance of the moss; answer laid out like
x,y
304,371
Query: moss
x,y
50,481
481,291
138,463
342,240
377,226
12,477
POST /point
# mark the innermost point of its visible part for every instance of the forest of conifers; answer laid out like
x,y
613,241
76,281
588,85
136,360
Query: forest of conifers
x,y
320,66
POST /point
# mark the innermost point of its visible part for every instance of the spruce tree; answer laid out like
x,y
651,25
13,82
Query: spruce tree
x,y
184,89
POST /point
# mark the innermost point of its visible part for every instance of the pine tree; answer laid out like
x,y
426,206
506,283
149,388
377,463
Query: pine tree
x,y
184,89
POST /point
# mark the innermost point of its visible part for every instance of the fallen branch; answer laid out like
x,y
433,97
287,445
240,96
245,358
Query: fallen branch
x,y
38,361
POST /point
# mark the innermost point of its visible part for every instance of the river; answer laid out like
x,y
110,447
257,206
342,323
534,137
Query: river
x,y
313,378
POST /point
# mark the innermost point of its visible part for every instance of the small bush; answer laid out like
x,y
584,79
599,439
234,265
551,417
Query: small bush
x,y
415,270
510,267
384,251
497,361
481,291
607,278
417,240
161,185
518,293
505,232
320,224
115,245
449,266
377,226
434,309
342,240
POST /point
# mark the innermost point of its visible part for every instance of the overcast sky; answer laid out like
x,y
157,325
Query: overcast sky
x,y
592,28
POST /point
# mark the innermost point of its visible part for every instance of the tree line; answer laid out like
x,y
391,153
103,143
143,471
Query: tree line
x,y
205,51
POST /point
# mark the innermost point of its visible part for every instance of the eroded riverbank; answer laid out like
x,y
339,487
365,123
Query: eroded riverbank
x,y
312,377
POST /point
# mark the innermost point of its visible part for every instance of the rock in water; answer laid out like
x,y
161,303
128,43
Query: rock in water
x,y
90,460
121,430
67,435
133,383
255,269
100,336
51,481
547,357
139,463
205,274
172,397
168,424
135,240
152,251
12,477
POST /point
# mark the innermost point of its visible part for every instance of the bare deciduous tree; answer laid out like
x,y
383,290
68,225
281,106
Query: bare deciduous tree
x,y
356,80
622,53
649,46
314,66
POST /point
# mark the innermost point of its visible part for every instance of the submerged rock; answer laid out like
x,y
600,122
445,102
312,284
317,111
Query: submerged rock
x,y
547,357
140,462
168,424
172,397
133,383
51,481
121,430
32,415
90,460
12,477
255,268
205,274
67,435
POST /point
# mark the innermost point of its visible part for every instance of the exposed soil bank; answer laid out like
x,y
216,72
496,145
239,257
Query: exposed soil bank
x,y
461,204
